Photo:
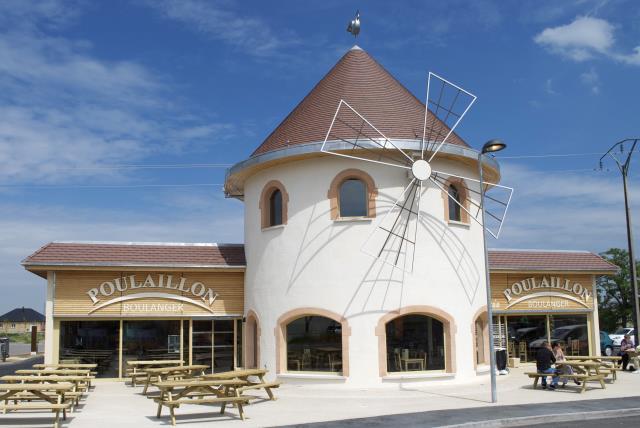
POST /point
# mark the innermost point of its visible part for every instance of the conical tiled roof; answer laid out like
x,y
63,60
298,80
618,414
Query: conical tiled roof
x,y
365,85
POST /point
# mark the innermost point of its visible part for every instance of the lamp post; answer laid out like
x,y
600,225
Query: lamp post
x,y
623,166
491,146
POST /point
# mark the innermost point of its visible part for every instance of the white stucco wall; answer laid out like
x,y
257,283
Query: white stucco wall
x,y
313,261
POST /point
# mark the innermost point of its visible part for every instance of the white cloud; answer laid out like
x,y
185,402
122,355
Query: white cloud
x,y
548,87
585,38
592,80
247,33
580,39
62,108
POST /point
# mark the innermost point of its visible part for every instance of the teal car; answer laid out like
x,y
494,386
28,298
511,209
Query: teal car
x,y
606,344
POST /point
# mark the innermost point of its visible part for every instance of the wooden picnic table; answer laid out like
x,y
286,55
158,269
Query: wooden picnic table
x,y
160,374
592,358
53,396
244,375
60,372
65,366
173,393
136,368
592,370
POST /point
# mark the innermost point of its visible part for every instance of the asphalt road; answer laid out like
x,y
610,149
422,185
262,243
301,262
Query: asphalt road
x,y
440,418
628,422
9,368
23,348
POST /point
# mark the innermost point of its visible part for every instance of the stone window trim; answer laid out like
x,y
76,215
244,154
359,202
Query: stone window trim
x,y
334,191
449,330
265,196
294,314
464,199
251,315
482,315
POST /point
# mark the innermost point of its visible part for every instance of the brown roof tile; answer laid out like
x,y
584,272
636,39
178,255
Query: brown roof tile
x,y
365,85
138,254
546,260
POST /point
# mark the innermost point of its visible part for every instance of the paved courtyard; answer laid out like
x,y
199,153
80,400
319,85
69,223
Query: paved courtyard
x,y
114,404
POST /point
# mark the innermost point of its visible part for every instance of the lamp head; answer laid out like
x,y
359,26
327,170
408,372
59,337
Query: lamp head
x,y
493,146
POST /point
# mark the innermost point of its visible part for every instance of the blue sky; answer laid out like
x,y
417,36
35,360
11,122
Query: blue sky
x,y
85,86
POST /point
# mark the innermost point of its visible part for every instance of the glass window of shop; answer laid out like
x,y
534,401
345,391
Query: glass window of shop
x,y
217,343
527,333
314,343
415,342
571,332
91,342
150,340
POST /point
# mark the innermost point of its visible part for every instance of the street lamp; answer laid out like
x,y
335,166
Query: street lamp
x,y
490,146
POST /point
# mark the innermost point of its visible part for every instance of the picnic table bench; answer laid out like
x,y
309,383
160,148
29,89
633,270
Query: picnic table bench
x,y
160,374
244,375
587,371
136,368
198,391
52,395
607,364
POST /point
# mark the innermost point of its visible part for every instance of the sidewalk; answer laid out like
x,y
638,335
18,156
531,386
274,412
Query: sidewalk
x,y
115,404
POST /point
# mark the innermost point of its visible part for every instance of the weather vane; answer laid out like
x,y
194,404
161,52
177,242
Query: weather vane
x,y
354,25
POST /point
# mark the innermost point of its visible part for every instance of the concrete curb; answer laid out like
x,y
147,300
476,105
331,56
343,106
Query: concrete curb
x,y
544,419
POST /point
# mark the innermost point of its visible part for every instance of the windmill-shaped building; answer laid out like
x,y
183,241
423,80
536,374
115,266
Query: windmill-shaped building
x,y
363,261
309,217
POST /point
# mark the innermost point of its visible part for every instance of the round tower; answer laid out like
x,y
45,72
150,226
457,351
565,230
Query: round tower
x,y
318,306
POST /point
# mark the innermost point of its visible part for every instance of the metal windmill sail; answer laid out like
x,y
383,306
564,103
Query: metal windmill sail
x,y
394,238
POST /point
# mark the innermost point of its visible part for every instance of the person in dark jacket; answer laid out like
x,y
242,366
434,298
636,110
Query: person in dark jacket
x,y
625,345
544,360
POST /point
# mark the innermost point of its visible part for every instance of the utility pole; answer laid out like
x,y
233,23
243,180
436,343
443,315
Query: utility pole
x,y
623,166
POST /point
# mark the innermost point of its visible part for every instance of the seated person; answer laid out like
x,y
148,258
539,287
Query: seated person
x,y
625,344
556,347
544,360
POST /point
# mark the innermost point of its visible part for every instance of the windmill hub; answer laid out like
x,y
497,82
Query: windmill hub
x,y
421,169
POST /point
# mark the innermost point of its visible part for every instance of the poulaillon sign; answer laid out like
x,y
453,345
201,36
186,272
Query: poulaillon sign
x,y
152,287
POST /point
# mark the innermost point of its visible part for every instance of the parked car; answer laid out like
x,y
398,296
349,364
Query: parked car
x,y
565,335
619,335
606,344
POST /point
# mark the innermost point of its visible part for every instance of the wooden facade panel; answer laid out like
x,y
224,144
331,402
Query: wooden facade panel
x,y
115,294
541,292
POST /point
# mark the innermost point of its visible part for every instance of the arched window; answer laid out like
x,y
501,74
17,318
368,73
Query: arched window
x,y
353,198
352,194
415,342
275,208
273,204
481,338
454,201
314,343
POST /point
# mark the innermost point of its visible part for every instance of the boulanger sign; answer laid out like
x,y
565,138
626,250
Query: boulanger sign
x,y
533,288
153,287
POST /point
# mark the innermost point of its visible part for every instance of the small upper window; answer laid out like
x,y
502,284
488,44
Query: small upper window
x,y
275,208
455,213
353,198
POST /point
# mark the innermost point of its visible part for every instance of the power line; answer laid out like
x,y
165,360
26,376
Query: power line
x,y
558,155
148,166
104,186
